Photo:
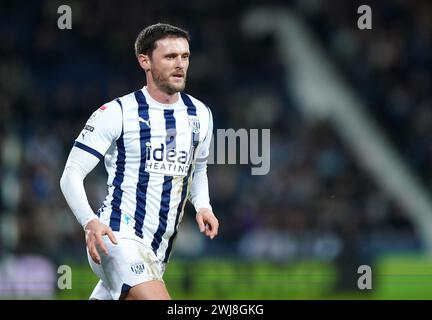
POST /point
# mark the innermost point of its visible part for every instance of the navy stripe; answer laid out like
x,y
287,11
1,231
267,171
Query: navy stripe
x,y
180,209
125,288
143,176
170,126
118,180
191,109
163,213
88,149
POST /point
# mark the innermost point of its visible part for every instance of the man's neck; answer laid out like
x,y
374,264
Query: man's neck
x,y
161,96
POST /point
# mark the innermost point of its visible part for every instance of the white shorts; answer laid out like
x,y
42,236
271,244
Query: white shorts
x,y
128,264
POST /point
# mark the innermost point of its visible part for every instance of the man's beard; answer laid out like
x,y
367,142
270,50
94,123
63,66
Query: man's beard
x,y
165,85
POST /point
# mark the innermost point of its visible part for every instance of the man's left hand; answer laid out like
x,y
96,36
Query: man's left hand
x,y
207,222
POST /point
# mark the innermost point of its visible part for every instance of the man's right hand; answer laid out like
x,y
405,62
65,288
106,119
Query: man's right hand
x,y
95,230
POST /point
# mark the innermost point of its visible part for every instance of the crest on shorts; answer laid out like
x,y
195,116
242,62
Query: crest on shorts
x,y
194,124
138,267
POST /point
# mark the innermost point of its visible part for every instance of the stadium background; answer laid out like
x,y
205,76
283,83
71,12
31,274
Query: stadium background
x,y
299,232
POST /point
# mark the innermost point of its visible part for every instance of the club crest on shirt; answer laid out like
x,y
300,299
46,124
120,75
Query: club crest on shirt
x,y
194,124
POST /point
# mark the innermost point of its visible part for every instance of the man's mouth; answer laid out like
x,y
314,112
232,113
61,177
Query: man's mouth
x,y
178,75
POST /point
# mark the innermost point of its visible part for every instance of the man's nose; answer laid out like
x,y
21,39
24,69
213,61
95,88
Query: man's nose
x,y
180,63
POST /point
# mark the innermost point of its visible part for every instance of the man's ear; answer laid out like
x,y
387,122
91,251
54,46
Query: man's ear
x,y
144,62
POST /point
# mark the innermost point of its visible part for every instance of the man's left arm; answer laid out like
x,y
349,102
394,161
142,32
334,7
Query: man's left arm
x,y
199,194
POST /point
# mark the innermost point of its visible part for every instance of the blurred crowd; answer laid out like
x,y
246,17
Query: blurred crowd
x,y
315,202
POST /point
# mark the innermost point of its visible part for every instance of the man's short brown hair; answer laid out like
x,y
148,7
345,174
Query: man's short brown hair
x,y
145,43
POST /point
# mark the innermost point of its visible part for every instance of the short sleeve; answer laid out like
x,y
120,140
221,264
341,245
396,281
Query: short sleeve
x,y
102,128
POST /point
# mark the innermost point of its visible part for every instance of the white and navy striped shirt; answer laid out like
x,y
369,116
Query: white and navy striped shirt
x,y
149,150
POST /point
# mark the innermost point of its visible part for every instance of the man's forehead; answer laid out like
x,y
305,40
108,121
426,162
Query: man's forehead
x,y
172,43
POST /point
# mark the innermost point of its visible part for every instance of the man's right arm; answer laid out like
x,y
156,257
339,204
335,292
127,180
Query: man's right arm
x,y
102,129
78,165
